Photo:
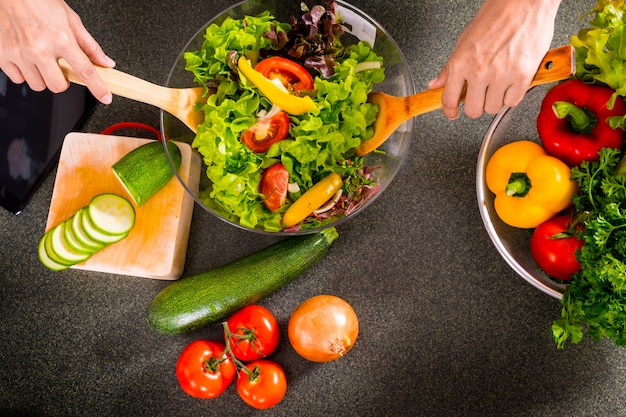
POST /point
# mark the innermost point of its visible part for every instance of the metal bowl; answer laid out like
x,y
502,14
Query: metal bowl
x,y
398,81
513,124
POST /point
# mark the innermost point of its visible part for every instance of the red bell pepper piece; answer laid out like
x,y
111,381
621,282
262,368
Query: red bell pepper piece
x,y
572,122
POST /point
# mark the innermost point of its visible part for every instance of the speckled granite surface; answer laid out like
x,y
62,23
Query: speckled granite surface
x,y
447,328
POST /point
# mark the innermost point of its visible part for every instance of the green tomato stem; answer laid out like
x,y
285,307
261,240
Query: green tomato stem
x,y
228,352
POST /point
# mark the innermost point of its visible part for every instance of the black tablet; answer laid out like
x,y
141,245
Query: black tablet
x,y
32,128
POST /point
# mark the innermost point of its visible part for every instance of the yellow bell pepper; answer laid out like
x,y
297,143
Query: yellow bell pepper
x,y
530,186
288,102
312,199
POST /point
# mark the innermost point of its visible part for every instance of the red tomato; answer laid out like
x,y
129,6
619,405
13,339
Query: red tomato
x,y
273,186
554,248
290,73
254,333
264,386
266,132
203,371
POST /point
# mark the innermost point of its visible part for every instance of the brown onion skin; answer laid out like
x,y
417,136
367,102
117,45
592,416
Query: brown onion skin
x,y
317,331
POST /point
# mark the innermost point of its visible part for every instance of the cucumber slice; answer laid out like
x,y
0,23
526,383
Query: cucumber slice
x,y
110,215
79,232
45,259
59,246
145,170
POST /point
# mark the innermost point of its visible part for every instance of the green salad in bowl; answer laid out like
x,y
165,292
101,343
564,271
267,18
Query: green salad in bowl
x,y
286,109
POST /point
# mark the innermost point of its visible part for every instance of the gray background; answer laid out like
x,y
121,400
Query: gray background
x,y
447,328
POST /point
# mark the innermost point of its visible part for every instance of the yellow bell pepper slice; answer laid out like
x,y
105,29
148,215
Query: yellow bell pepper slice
x,y
312,199
530,186
288,102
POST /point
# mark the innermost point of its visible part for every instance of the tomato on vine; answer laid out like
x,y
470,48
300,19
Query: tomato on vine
x,y
262,384
252,333
203,370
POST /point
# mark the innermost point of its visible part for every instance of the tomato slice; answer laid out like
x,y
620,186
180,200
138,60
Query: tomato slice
x,y
273,186
290,73
266,132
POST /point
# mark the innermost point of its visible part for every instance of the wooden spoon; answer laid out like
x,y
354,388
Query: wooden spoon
x,y
177,101
557,65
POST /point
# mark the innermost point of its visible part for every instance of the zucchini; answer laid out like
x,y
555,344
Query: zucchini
x,y
207,297
62,249
94,233
79,232
76,239
111,215
146,169
45,259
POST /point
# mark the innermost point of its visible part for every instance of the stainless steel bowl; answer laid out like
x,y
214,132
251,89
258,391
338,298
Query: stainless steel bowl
x,y
509,125
398,81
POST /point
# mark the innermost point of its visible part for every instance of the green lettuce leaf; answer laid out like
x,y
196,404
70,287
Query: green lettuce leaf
x,y
319,142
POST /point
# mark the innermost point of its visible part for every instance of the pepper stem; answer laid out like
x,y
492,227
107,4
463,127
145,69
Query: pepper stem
x,y
518,186
579,119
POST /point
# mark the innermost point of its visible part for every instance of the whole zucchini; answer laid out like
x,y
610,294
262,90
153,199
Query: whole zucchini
x,y
207,297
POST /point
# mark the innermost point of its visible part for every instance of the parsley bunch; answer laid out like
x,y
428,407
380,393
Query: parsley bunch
x,y
596,296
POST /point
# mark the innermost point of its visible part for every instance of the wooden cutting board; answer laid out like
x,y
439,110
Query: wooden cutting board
x,y
157,245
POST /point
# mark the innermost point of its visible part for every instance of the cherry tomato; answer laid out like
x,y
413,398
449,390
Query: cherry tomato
x,y
290,73
273,186
254,333
554,247
266,132
203,371
264,386
323,328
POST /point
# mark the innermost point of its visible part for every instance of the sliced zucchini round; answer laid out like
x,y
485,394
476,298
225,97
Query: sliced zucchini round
x,y
95,234
87,231
60,247
75,244
51,252
111,214
79,232
45,258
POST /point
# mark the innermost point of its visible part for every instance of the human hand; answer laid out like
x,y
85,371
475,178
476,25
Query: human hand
x,y
36,34
497,56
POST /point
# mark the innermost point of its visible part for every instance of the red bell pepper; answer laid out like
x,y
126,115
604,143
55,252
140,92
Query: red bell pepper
x,y
573,121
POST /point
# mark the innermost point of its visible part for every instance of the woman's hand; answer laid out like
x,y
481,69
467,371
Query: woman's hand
x,y
36,34
497,56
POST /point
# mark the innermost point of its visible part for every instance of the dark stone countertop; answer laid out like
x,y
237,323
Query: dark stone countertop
x,y
447,327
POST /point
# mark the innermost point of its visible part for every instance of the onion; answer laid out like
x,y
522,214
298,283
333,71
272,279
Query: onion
x,y
323,328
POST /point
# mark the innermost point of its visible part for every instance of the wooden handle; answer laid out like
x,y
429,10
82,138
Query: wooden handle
x,y
557,65
126,85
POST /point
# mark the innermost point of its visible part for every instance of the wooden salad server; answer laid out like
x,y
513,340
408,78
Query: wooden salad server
x,y
179,102
557,65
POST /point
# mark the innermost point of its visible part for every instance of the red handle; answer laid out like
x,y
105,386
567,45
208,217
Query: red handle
x,y
130,125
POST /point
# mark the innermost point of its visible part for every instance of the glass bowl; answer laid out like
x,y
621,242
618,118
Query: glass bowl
x,y
509,125
398,81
